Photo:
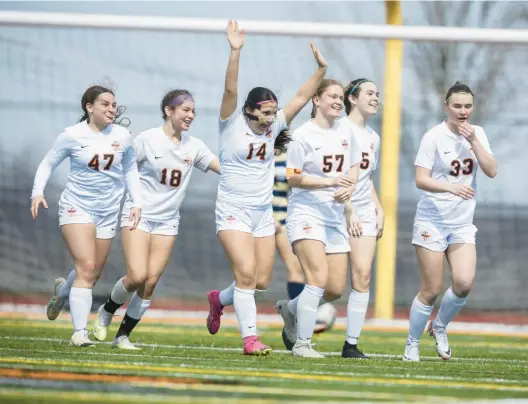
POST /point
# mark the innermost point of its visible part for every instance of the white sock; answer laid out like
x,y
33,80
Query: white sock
x,y
449,307
246,311
356,312
420,313
307,306
64,290
226,295
119,294
137,307
80,306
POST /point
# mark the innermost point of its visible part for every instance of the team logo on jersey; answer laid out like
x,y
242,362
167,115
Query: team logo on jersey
x,y
344,143
425,235
116,145
307,228
187,160
268,133
230,219
372,146
72,211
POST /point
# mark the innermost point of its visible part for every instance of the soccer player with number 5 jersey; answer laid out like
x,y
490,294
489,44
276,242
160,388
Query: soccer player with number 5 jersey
x,y
446,171
366,220
101,156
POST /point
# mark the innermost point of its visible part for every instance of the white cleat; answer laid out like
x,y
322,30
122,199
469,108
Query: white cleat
x,y
289,332
101,323
56,303
412,351
123,342
80,339
442,344
305,349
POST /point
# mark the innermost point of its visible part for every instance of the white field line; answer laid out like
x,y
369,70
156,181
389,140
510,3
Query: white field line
x,y
277,351
276,320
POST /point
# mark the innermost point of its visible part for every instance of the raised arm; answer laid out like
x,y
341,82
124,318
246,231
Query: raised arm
x,y
235,36
308,89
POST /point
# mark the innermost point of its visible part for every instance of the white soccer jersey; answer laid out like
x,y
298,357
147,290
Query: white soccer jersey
x,y
165,170
369,144
246,161
450,158
99,161
321,153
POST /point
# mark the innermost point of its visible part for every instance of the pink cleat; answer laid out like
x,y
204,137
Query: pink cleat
x,y
215,311
252,346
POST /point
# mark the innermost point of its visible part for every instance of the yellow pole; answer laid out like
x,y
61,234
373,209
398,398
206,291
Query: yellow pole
x,y
390,152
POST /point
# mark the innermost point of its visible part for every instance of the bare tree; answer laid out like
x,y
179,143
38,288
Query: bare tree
x,y
488,69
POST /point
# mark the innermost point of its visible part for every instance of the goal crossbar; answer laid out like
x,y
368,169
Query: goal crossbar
x,y
367,31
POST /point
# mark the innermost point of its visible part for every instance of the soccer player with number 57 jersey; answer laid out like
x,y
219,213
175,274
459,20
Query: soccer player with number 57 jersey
x,y
101,157
446,170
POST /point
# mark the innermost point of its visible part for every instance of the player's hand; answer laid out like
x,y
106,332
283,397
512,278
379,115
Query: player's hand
x,y
463,191
343,195
380,224
342,181
353,224
467,131
235,36
321,61
134,217
35,203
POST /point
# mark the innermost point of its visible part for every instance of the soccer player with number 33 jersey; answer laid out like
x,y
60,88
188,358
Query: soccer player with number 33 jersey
x,y
446,172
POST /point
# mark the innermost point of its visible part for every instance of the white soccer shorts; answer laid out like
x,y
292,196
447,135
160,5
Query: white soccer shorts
x,y
169,228
257,221
368,219
437,238
105,225
335,239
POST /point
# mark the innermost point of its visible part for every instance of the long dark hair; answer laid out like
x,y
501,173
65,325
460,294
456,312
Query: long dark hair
x,y
282,140
89,97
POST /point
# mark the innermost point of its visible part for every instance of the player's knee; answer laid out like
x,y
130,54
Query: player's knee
x,y
134,280
462,288
331,295
149,286
85,271
246,275
361,280
428,296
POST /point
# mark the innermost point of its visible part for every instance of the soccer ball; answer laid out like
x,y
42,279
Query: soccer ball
x,y
326,317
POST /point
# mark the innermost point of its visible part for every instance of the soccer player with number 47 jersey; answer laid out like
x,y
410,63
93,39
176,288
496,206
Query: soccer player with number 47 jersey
x,y
446,170
165,157
101,156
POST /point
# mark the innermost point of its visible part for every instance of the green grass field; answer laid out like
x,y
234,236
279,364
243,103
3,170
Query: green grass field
x,y
184,364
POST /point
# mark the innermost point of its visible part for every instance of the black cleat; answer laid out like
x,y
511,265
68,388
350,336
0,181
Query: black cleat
x,y
352,351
